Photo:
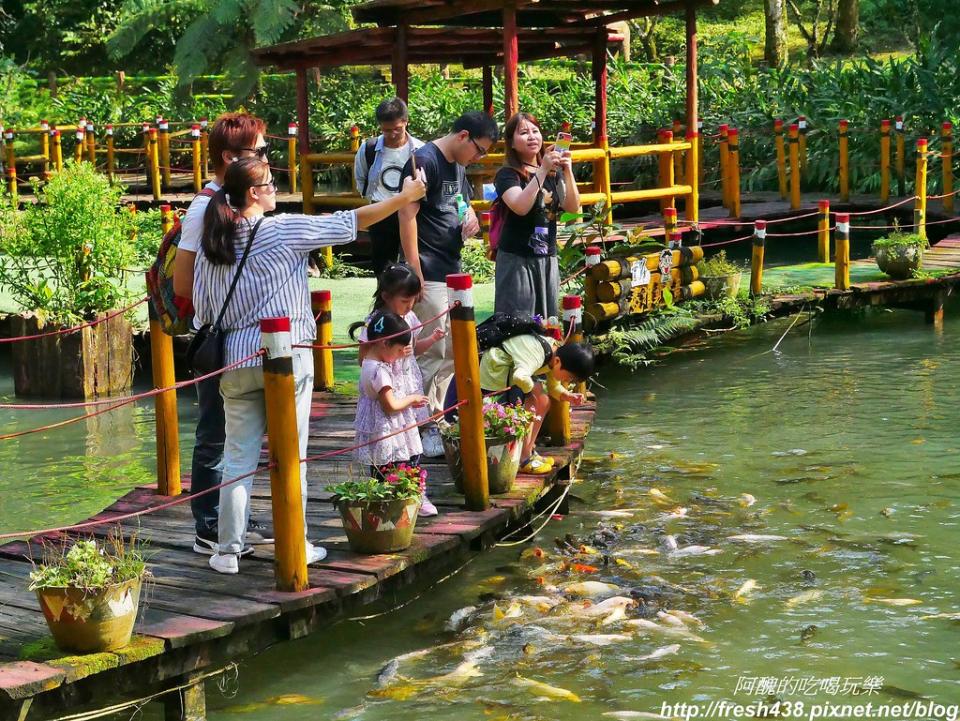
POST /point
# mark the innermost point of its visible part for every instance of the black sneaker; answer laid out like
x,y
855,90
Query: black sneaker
x,y
209,548
259,532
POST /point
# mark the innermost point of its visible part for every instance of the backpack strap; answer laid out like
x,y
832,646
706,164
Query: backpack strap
x,y
369,154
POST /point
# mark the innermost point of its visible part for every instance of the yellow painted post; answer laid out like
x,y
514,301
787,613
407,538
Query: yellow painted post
x,y
466,363
604,180
920,209
844,163
884,161
321,303
354,138
700,151
823,232
45,149
292,154
592,256
204,148
842,253
111,152
195,153
669,223
802,125
165,404
164,148
166,218
724,180
557,421
733,165
756,257
80,134
901,157
148,158
91,138
947,152
781,157
794,140
666,170
286,495
692,207
57,150
678,159
154,156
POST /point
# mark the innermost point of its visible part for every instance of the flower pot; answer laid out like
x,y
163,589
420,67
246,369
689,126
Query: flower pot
x,y
84,621
451,452
722,286
900,261
379,526
503,462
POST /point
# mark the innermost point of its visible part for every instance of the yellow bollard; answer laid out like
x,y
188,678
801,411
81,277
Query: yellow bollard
x,y
901,158
920,209
354,138
844,163
148,157
57,150
842,257
733,166
78,148
823,232
154,156
290,550
204,148
756,257
666,170
111,152
466,362
724,180
164,148
884,161
321,303
165,404
794,140
781,157
292,155
802,125
692,208
669,223
195,152
678,159
45,149
947,152
166,218
557,421
91,139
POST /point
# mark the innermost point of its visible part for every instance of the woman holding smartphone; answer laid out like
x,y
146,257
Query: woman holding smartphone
x,y
534,187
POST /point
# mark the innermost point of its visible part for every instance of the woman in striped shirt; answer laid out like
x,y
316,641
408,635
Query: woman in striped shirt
x,y
272,284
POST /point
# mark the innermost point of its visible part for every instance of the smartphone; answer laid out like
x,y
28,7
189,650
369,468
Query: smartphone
x,y
563,143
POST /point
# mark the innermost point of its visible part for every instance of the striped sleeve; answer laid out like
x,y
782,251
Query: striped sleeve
x,y
303,233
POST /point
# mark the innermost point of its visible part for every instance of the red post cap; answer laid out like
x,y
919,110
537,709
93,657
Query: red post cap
x,y
794,127
760,224
844,124
668,135
593,250
275,325
843,217
778,124
56,133
884,123
485,216
921,143
733,132
354,129
724,127
165,208
692,135
459,281
823,205
321,296
670,211
947,125
572,302
292,124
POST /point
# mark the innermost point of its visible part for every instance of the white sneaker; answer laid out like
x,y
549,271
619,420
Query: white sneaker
x,y
427,509
225,562
315,553
432,445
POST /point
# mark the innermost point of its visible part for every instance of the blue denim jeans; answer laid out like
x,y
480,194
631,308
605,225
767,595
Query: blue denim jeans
x,y
246,422
207,457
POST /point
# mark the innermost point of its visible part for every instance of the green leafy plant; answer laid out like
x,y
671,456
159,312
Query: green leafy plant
x,y
341,269
474,260
739,312
400,482
90,565
66,255
629,342
898,239
718,265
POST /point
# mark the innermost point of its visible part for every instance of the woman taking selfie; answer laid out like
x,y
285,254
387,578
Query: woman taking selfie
x,y
534,187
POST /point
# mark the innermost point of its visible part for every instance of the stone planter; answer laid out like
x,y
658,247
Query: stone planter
x,y
94,361
722,286
379,526
899,262
84,621
503,462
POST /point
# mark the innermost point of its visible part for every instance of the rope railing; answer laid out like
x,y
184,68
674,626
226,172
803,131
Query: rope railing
x,y
74,329
359,343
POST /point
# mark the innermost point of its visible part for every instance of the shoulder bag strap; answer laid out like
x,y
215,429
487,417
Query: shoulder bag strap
x,y
236,277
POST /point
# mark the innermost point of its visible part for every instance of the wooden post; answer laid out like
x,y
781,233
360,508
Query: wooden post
x,y
756,257
204,148
700,151
187,704
195,153
733,161
802,125
823,232
57,150
920,209
321,303
91,138
154,156
901,158
666,171
601,168
844,163
148,157
692,208
488,90
947,153
794,140
400,69
466,362
693,94
78,147
884,161
165,404
292,155
558,418
669,222
724,179
511,101
45,149
781,157
165,170
842,250
678,160
593,256
290,560
111,152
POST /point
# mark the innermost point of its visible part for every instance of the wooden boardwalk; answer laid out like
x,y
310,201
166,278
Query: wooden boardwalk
x,y
194,620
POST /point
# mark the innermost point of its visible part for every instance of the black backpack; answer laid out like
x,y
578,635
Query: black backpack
x,y
369,153
501,327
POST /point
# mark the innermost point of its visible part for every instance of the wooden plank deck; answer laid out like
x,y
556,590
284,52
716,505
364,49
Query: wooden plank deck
x,y
194,619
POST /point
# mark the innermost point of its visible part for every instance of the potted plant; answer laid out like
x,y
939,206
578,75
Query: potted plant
x,y
379,514
66,259
899,254
504,428
720,276
90,593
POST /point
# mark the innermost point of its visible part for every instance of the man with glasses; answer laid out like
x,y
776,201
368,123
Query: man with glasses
x,y
432,233
233,136
377,170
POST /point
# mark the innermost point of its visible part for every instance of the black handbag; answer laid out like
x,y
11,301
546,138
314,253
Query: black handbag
x,y
205,352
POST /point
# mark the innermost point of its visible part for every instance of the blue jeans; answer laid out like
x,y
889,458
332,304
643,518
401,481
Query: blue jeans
x,y
207,457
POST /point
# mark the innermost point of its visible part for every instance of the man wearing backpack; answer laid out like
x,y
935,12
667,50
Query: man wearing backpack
x,y
233,136
377,170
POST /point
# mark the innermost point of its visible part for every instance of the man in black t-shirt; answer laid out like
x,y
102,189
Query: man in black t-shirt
x,y
431,236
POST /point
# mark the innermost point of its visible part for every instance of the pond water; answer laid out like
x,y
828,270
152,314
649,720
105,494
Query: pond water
x,y
845,442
